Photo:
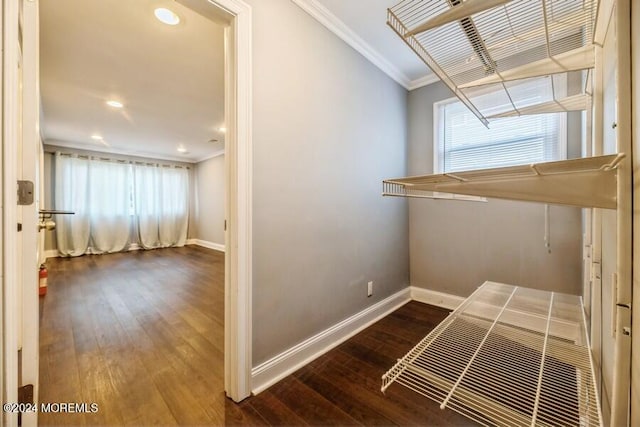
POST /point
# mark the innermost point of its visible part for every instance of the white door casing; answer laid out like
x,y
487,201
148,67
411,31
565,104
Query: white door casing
x,y
238,235
10,135
612,229
20,162
30,235
236,16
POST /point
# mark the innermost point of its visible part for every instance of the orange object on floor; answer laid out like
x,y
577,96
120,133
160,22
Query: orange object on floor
x,y
42,281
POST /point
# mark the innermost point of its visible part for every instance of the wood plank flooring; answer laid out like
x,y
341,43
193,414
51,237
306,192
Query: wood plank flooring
x,y
141,334
342,387
138,333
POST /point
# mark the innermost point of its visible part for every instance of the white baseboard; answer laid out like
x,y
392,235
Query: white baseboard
x,y
439,299
206,244
51,253
289,361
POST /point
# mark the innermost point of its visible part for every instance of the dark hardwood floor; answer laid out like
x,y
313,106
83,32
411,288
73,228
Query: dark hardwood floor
x,y
138,333
141,335
342,387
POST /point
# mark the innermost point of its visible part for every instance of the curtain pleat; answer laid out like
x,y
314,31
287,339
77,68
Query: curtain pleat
x,y
71,192
147,193
161,204
110,199
109,206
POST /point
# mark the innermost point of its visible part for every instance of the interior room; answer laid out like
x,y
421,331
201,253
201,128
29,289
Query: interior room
x,y
170,119
320,212
134,181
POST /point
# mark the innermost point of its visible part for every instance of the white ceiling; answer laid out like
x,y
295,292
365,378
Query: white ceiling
x,y
170,78
362,23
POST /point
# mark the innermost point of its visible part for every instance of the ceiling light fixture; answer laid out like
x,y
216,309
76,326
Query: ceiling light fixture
x,y
166,16
181,149
96,137
222,129
115,104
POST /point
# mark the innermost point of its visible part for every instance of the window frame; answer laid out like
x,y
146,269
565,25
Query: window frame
x,y
438,143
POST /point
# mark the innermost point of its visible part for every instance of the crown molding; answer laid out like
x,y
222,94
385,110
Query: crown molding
x,y
210,156
340,29
105,149
109,150
423,81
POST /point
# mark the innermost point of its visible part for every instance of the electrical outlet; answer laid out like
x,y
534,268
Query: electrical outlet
x,y
369,289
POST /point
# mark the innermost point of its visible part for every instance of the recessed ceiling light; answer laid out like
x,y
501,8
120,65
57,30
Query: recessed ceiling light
x,y
115,104
166,16
181,149
222,129
96,137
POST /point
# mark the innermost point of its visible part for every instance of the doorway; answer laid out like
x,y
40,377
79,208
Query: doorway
x,y
238,215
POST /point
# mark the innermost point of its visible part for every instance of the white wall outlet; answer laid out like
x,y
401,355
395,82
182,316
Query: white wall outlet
x,y
369,289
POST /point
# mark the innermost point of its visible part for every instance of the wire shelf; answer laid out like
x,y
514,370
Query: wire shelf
x,y
584,182
479,46
508,356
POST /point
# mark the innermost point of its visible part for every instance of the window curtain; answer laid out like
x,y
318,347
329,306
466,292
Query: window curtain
x,y
71,192
109,206
161,205
110,198
98,192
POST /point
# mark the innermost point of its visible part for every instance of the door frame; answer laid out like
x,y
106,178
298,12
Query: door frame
x,y
635,155
30,235
10,132
20,111
238,206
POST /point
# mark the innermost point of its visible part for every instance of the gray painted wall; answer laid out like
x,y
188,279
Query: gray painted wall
x,y
328,127
208,203
456,245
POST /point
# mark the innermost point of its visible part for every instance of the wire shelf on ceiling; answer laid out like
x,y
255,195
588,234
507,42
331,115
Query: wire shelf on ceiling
x,y
507,356
480,47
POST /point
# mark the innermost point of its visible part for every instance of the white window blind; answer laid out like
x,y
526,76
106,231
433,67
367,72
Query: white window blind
x,y
464,143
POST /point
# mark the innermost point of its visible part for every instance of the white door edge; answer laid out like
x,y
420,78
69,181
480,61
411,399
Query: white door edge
x,y
10,316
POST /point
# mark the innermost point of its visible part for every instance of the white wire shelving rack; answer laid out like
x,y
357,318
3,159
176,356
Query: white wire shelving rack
x,y
507,356
481,46
584,182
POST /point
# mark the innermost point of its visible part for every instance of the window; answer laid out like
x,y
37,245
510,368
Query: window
x,y
462,142
110,198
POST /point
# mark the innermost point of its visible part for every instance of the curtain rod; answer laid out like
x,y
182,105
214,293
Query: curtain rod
x,y
123,161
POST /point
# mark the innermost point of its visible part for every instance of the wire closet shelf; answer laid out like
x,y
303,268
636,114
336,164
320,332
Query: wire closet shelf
x,y
507,356
480,47
584,182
